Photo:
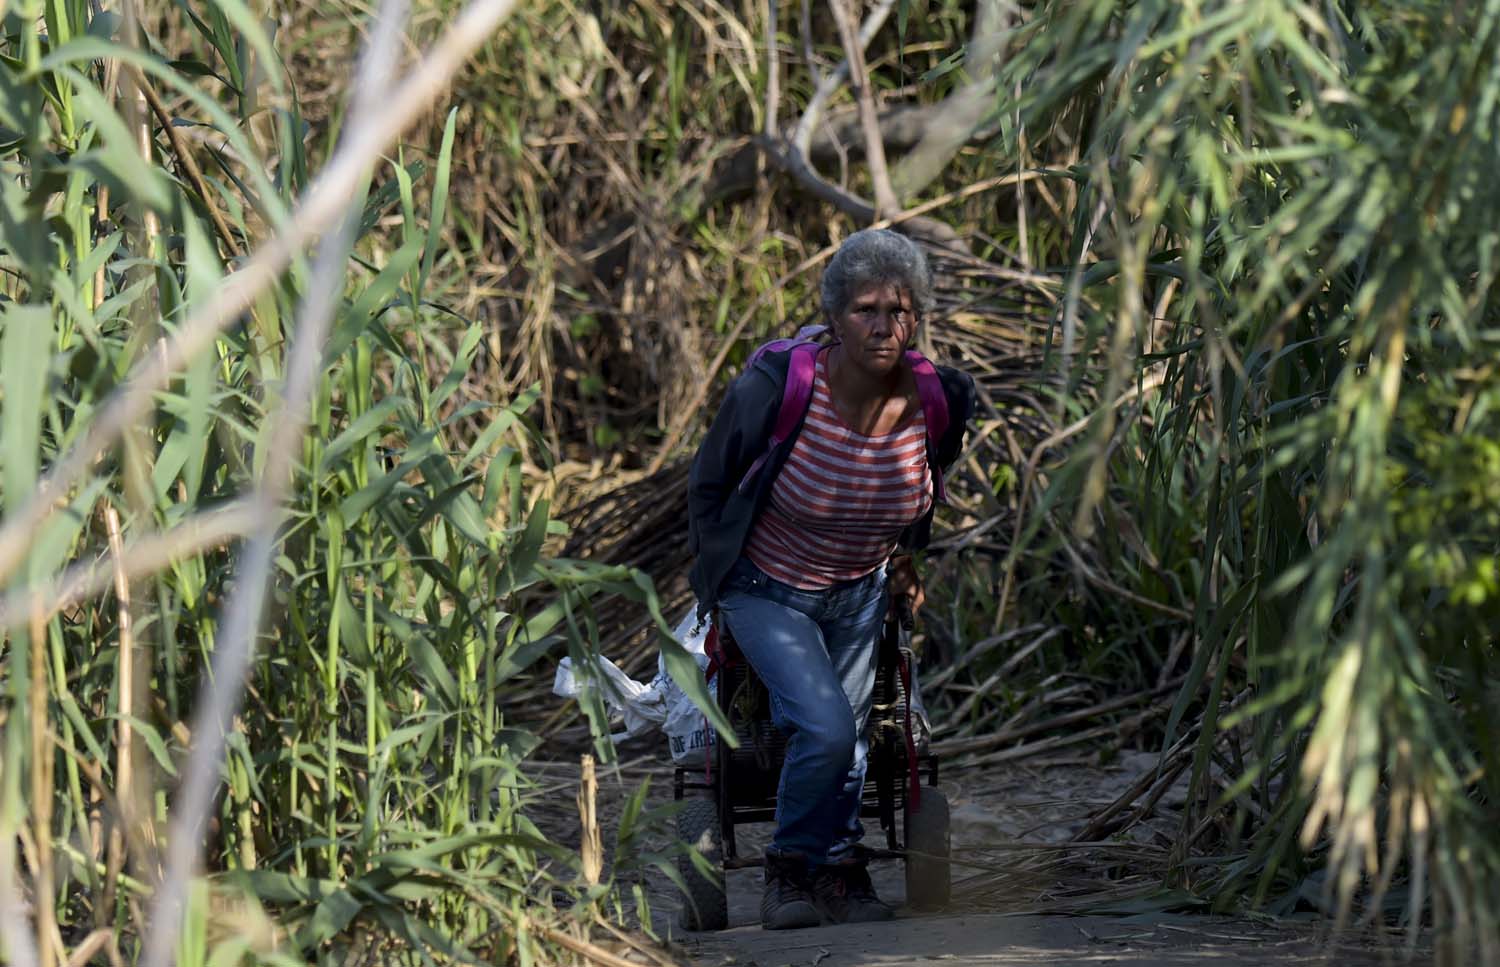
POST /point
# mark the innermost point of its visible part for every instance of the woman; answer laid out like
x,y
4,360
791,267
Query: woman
x,y
801,556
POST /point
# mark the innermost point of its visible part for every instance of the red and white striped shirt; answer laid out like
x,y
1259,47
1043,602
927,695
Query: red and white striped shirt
x,y
842,499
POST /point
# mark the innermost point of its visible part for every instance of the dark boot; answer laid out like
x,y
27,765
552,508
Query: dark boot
x,y
844,893
787,902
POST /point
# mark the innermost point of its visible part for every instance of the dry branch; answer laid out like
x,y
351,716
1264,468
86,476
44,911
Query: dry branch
x,y
590,952
790,160
200,532
1111,730
186,159
859,76
980,743
964,111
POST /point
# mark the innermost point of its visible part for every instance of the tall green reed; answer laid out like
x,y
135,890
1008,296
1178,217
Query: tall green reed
x,y
371,779
1295,260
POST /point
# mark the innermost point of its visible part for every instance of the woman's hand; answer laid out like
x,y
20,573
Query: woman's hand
x,y
903,581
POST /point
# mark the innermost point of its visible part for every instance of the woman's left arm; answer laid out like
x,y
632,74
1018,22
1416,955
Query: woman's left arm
x,y
902,578
904,583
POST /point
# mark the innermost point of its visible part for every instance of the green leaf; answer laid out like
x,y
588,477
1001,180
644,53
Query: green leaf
x,y
332,914
276,887
58,538
522,654
154,743
247,26
496,476
683,667
434,669
500,424
439,200
365,425
520,569
26,348
357,503
460,368
118,156
459,508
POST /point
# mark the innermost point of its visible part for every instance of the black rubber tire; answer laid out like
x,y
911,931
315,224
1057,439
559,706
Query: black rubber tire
x,y
706,906
929,884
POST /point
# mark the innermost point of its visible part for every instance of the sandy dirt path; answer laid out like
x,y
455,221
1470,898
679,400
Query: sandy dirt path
x,y
1009,925
999,940
1010,939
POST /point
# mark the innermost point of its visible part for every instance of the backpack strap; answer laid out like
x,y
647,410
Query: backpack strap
x,y
934,411
807,334
795,397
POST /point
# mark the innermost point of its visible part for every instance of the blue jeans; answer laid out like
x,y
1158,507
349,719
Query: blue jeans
x,y
816,653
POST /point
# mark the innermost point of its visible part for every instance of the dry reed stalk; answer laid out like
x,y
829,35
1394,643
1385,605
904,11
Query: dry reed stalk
x,y
186,159
634,943
20,941
101,220
773,71
125,738
18,937
142,117
980,743
591,846
886,202
1028,481
1152,784
200,532
590,952
41,799
1112,730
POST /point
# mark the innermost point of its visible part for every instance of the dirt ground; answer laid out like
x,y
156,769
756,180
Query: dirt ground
x,y
1001,940
1021,897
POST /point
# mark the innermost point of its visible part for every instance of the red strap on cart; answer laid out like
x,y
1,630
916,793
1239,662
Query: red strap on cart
x,y
715,655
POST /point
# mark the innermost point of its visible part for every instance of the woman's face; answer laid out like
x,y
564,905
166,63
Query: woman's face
x,y
876,326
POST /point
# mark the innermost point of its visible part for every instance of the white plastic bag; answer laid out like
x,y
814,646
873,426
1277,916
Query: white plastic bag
x,y
643,707
659,704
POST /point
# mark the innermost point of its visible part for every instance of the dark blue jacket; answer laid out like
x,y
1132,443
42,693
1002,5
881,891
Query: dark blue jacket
x,y
721,513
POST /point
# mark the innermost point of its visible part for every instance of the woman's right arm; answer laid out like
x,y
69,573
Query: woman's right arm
x,y
710,481
742,425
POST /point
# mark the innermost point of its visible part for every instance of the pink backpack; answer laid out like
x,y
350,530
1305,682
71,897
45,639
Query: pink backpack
x,y
797,395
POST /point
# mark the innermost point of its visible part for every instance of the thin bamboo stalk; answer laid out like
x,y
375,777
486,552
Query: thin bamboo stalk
x,y
41,798
124,734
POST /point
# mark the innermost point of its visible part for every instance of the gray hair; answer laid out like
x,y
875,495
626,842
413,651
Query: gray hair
x,y
876,256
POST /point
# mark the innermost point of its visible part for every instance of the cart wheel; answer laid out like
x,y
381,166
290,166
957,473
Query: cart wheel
x,y
706,906
928,878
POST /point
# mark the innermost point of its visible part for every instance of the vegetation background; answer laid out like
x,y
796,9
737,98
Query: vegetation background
x,y
338,400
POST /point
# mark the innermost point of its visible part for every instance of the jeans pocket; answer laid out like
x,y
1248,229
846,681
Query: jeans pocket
x,y
743,577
